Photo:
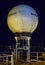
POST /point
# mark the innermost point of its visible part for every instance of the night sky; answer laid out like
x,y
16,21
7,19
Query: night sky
x,y
7,37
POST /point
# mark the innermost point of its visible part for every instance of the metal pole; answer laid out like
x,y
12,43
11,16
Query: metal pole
x,y
16,48
28,54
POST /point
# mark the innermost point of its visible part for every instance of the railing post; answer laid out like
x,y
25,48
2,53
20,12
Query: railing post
x,y
6,60
3,60
12,63
37,56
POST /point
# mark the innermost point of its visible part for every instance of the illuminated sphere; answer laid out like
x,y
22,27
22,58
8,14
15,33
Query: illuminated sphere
x,y
22,18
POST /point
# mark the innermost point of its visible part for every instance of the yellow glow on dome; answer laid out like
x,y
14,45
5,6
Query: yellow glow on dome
x,y
15,24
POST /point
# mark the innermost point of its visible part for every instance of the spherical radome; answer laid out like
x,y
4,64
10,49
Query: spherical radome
x,y
22,18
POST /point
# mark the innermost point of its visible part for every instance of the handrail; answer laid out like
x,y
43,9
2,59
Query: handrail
x,y
37,56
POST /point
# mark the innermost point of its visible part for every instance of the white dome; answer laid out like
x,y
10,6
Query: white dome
x,y
22,18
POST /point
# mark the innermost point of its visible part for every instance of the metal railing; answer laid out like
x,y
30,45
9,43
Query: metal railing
x,y
6,59
37,56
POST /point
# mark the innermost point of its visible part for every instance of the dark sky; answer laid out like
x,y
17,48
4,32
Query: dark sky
x,y
6,36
